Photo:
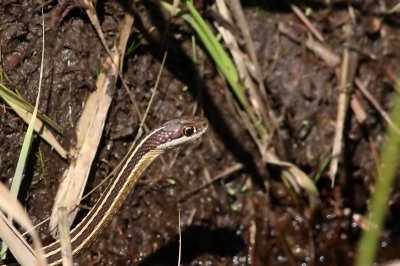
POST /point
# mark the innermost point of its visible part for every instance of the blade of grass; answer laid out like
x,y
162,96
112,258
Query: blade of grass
x,y
221,58
368,246
323,167
43,131
27,141
11,97
134,45
228,69
18,175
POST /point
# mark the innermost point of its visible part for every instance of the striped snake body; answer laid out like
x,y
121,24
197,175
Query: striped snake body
x,y
170,135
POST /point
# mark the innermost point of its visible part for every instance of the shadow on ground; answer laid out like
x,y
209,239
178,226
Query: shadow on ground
x,y
196,241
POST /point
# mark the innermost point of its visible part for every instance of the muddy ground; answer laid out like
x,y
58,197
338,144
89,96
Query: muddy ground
x,y
248,217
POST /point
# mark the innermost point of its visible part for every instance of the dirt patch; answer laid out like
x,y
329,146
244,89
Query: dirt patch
x,y
221,221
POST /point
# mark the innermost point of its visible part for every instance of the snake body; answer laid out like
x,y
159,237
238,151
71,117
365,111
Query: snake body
x,y
170,135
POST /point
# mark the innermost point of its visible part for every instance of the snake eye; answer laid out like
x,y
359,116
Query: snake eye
x,y
188,131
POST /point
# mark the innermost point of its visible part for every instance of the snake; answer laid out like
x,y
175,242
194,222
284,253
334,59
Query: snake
x,y
170,135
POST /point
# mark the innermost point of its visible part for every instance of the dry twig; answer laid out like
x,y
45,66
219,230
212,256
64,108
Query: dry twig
x,y
376,105
307,22
65,237
347,76
20,249
89,131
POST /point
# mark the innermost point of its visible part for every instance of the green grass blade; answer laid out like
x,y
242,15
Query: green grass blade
x,y
368,246
323,167
19,172
9,96
221,58
134,45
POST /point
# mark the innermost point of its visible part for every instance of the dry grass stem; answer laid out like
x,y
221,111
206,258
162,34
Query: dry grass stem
x,y
124,33
91,126
375,155
252,65
91,123
347,77
306,22
20,249
295,176
89,131
358,110
344,90
154,89
286,30
91,12
394,9
180,237
241,60
375,104
175,5
41,129
65,237
322,51
8,198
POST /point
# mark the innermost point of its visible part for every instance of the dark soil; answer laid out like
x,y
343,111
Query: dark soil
x,y
264,224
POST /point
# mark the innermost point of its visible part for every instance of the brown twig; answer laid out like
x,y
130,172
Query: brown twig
x,y
65,237
376,105
307,22
347,72
254,69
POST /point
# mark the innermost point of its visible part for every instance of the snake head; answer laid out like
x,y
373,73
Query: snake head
x,y
182,130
